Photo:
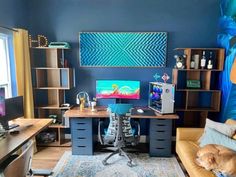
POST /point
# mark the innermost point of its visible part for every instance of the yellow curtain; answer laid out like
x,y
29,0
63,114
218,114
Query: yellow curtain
x,y
233,72
23,70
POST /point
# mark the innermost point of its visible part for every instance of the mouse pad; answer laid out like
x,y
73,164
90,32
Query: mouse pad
x,y
146,112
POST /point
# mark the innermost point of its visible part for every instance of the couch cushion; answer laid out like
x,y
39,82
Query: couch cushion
x,y
187,151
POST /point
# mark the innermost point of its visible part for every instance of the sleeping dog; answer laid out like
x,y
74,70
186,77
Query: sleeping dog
x,y
217,158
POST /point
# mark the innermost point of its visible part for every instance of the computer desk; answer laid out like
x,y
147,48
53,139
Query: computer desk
x,y
81,125
28,129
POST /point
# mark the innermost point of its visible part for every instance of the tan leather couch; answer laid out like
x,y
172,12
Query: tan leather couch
x,y
187,147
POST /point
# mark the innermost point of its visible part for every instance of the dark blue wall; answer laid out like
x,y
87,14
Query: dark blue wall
x,y
13,13
188,23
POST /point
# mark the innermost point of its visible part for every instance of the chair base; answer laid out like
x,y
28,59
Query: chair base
x,y
121,152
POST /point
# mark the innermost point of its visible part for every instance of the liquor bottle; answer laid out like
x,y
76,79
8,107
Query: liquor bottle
x,y
210,65
192,64
203,60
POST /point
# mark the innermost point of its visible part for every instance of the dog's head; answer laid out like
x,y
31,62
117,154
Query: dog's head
x,y
207,161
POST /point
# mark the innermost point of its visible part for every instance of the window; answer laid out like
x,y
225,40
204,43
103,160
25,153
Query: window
x,y
5,73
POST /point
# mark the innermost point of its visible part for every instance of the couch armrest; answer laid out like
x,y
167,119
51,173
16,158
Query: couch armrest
x,y
188,134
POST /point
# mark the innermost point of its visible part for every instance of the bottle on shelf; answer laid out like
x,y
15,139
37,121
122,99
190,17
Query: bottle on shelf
x,y
203,60
192,64
210,65
196,61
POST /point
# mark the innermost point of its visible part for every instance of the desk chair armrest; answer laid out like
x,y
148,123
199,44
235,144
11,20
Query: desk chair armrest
x,y
100,129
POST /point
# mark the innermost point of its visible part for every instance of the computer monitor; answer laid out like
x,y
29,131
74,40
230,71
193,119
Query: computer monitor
x,y
118,89
13,109
2,102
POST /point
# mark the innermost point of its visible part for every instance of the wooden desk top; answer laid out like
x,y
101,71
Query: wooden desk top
x,y
28,129
102,113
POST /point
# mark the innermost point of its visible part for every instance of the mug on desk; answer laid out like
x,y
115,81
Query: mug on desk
x,y
93,104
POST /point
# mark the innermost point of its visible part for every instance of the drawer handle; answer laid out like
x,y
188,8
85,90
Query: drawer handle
x,y
81,138
81,129
80,123
160,139
160,131
81,146
160,148
160,125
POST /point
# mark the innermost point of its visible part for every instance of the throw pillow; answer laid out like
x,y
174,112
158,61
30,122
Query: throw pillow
x,y
226,129
214,137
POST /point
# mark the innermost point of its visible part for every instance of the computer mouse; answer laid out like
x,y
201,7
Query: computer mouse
x,y
140,111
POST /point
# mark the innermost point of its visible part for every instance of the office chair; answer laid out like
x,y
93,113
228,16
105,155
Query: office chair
x,y
20,165
119,132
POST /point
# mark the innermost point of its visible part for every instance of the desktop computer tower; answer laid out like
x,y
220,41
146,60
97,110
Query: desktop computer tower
x,y
161,97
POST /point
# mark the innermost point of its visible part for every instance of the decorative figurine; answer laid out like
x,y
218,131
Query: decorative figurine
x,y
165,77
82,103
180,61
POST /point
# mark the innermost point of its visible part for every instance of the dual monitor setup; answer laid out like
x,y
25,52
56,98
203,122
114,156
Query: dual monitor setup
x,y
10,109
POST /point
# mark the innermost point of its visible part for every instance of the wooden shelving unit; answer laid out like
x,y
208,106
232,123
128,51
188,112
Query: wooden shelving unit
x,y
51,78
194,105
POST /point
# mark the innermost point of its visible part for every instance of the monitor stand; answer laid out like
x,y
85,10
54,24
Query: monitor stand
x,y
120,100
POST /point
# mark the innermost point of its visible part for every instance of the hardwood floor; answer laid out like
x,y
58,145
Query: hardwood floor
x,y
47,157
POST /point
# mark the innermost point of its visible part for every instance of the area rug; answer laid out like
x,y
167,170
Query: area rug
x,y
91,166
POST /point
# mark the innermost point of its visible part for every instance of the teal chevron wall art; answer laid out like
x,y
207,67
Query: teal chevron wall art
x,y
123,49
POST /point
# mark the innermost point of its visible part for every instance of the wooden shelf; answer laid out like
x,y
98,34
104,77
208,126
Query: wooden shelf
x,y
196,90
48,68
66,143
198,48
196,104
203,70
49,48
51,77
208,109
52,107
51,88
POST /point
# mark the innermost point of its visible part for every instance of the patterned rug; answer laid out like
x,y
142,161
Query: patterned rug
x,y
91,166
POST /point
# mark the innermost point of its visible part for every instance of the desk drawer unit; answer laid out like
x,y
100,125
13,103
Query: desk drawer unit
x,y
160,132
82,136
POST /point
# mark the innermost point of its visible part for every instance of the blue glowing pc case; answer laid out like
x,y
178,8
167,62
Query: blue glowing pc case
x,y
161,97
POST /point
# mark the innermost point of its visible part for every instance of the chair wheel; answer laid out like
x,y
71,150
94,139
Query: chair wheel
x,y
104,162
130,164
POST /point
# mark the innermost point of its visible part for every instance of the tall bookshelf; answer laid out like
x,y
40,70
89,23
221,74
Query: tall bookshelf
x,y
51,78
194,105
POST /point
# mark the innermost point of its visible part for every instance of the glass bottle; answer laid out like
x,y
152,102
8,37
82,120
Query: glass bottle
x,y
209,65
203,60
192,64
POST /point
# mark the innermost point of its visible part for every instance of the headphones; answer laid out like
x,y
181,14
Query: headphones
x,y
82,95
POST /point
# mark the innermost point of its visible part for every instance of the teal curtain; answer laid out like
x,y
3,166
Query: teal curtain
x,y
227,39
